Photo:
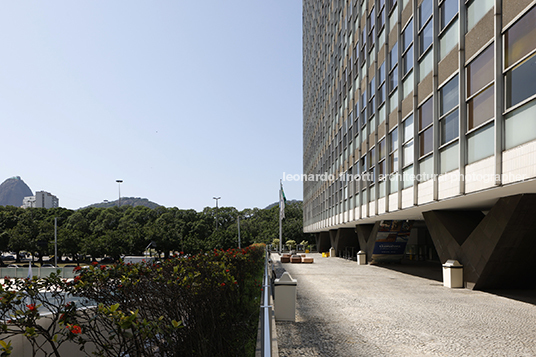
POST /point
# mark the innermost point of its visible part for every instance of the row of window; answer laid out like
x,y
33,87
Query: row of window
x,y
520,87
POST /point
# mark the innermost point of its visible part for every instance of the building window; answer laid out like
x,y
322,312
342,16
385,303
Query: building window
x,y
407,49
520,60
448,126
426,128
407,177
393,18
520,125
448,40
480,144
393,155
407,148
407,85
393,101
448,96
476,10
426,65
381,83
447,11
371,20
425,26
480,89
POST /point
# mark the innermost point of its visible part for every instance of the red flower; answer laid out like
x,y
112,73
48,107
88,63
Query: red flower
x,y
227,270
103,267
77,268
222,284
94,263
77,278
74,329
31,307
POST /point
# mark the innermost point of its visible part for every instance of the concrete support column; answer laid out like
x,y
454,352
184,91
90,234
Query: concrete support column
x,y
497,250
366,235
323,242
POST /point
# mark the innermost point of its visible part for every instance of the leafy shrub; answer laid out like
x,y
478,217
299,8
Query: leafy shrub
x,y
201,305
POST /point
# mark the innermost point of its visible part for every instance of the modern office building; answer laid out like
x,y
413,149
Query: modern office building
x,y
420,132
41,199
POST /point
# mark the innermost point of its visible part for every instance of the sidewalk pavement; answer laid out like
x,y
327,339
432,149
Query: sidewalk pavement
x,y
345,309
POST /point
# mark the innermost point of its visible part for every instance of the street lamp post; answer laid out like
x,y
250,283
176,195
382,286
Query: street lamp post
x,y
216,198
119,182
239,232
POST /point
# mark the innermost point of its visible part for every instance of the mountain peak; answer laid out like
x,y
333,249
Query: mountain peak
x,y
12,192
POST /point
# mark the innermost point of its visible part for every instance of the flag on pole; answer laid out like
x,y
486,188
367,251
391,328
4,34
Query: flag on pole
x,y
282,202
30,270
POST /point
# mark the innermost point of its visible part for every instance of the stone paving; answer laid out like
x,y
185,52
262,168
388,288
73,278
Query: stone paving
x,y
345,309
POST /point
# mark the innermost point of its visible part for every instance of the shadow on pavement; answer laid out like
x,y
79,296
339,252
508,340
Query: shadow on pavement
x,y
423,269
528,295
433,271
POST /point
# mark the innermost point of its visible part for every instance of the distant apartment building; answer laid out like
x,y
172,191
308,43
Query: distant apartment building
x,y
42,199
422,114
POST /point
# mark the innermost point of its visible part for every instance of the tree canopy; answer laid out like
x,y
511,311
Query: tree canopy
x,y
128,230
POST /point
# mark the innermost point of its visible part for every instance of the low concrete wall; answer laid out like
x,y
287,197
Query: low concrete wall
x,y
66,273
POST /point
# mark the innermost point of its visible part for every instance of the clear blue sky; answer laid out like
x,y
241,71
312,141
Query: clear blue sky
x,y
183,100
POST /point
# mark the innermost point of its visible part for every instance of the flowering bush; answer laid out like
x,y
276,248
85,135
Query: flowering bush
x,y
199,305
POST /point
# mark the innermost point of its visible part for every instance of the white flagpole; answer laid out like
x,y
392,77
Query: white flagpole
x,y
280,225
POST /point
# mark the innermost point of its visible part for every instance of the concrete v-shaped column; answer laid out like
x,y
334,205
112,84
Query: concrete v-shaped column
x,y
497,250
366,235
323,242
343,238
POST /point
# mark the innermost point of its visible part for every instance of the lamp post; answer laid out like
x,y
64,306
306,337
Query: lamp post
x,y
239,232
119,182
216,198
55,242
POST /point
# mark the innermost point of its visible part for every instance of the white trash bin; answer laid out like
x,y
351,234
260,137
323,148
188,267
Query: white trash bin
x,y
332,252
361,258
285,298
453,274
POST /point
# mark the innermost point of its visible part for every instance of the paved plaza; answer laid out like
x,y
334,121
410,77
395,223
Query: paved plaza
x,y
345,309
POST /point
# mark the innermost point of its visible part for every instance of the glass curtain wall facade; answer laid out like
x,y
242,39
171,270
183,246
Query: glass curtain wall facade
x,y
401,94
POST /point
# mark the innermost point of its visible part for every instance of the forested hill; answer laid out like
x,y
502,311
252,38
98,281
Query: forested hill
x,y
128,230
126,201
277,203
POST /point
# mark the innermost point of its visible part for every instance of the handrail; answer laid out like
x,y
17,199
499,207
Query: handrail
x,y
266,312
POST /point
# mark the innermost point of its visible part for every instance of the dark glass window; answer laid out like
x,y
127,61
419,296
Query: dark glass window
x,y
480,71
407,61
521,82
394,139
381,94
407,36
520,39
426,114
393,56
448,9
381,73
448,96
425,38
425,11
449,127
480,108
381,148
426,139
393,79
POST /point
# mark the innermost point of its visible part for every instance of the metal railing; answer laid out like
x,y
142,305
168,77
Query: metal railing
x,y
266,311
